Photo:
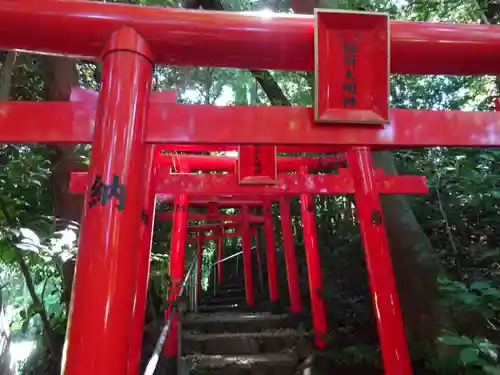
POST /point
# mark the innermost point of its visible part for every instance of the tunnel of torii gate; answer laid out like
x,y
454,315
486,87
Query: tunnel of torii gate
x,y
209,189
351,54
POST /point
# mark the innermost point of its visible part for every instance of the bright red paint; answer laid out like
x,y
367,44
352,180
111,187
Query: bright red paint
x,y
256,239
199,217
212,147
378,261
272,278
99,327
290,184
177,263
220,253
105,317
246,244
200,238
349,48
255,41
73,123
222,201
227,163
296,126
219,184
307,209
144,255
290,259
257,165
80,94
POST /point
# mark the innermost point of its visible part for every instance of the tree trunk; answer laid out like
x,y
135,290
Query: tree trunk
x,y
60,75
415,263
6,75
5,358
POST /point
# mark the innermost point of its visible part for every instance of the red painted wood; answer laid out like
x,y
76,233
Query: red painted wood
x,y
73,123
352,67
234,40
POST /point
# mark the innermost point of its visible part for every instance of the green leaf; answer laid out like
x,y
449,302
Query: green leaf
x,y
495,194
493,292
488,313
469,355
468,298
479,285
491,370
25,326
455,340
487,157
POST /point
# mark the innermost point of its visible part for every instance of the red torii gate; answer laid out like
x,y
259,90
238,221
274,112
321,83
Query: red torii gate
x,y
129,39
302,184
232,221
224,163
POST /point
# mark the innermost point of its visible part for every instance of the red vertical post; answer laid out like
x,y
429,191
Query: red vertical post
x,y
290,259
99,326
141,284
220,250
177,262
246,244
270,250
313,267
199,276
255,234
378,259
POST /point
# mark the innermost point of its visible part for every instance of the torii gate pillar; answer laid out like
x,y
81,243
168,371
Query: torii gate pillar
x,y
200,239
378,261
313,267
177,261
143,262
103,296
290,259
270,251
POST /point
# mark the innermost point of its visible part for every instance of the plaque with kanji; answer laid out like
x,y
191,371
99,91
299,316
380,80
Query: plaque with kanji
x,y
351,67
257,165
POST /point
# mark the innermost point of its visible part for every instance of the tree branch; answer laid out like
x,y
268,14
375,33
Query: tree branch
x,y
266,81
270,87
30,284
5,83
6,75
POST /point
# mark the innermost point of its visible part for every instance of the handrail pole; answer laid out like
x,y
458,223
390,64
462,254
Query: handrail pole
x,y
194,281
215,280
193,284
237,264
153,361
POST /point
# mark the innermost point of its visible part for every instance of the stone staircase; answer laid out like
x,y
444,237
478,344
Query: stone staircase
x,y
226,338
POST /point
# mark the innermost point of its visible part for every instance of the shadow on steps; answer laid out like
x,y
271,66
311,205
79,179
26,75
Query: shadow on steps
x,y
226,337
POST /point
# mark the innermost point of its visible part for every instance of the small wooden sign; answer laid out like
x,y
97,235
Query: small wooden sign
x,y
257,165
352,67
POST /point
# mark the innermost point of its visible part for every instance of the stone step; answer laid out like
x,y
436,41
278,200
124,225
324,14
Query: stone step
x,y
259,364
223,300
242,306
236,322
273,341
230,286
240,293
234,290
220,308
